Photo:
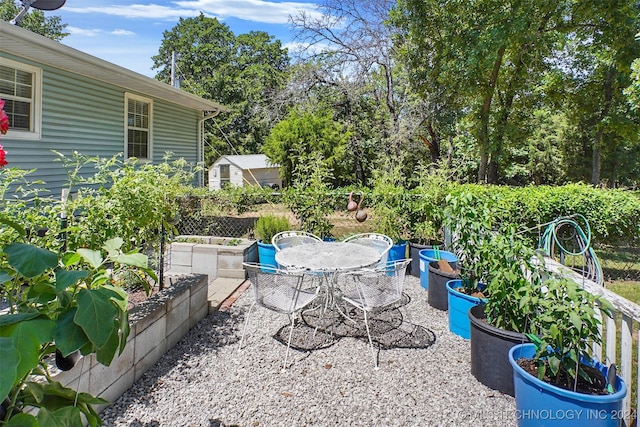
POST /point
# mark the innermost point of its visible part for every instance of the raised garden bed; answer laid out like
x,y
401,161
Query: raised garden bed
x,y
213,256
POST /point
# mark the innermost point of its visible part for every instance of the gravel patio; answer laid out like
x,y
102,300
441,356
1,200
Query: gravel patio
x,y
424,376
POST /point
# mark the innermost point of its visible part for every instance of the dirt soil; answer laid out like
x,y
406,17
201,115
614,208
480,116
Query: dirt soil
x,y
598,384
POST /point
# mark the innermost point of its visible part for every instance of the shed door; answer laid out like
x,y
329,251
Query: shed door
x,y
225,178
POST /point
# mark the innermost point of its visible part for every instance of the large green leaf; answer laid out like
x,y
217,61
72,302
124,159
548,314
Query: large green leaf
x,y
68,335
10,360
134,259
29,260
66,278
94,313
19,228
94,258
22,420
105,353
10,319
68,416
113,246
27,336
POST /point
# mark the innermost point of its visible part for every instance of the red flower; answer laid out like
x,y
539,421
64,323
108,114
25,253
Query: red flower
x,y
4,119
3,157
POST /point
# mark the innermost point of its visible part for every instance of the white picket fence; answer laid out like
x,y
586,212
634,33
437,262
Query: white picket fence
x,y
625,316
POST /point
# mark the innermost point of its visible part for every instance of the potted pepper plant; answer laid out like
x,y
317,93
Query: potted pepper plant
x,y
556,373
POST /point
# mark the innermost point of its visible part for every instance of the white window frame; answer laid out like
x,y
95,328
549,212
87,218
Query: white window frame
x,y
131,97
36,101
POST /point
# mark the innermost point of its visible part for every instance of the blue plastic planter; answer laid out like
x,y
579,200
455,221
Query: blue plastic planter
x,y
459,306
427,256
397,252
267,255
541,404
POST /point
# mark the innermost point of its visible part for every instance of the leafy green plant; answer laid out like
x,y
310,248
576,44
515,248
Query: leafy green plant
x,y
268,226
66,302
569,326
309,197
469,220
391,204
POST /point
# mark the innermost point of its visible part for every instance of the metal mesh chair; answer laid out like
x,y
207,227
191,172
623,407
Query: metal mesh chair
x,y
280,291
369,290
286,239
377,241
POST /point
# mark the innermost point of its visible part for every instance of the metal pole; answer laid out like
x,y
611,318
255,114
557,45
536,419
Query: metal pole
x,y
64,196
161,266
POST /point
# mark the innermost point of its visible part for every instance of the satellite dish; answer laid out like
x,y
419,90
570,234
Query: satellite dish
x,y
47,4
38,4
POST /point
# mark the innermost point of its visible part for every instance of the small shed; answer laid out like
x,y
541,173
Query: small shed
x,y
241,170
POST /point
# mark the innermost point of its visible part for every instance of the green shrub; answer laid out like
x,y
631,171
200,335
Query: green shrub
x,y
268,226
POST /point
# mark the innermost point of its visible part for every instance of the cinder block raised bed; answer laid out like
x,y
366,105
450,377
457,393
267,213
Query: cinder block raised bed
x,y
157,324
213,256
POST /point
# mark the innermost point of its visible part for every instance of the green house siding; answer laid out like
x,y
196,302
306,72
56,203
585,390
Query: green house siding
x,y
87,116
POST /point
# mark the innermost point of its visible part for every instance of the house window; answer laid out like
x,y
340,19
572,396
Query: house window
x,y
21,89
225,178
138,127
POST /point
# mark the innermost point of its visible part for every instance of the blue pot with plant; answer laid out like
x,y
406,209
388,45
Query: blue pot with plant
x,y
266,227
555,375
461,300
430,255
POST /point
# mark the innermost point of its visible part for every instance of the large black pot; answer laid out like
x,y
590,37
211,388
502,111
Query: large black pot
x,y
490,352
414,254
437,294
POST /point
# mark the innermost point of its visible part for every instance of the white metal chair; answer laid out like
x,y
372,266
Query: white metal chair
x,y
377,241
290,238
372,289
280,291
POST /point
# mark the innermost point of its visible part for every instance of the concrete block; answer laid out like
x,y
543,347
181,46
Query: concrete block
x,y
150,339
205,257
178,332
178,314
117,388
181,254
102,377
202,312
150,359
231,273
229,261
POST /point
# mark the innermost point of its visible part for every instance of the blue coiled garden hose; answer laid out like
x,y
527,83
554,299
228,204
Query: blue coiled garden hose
x,y
549,239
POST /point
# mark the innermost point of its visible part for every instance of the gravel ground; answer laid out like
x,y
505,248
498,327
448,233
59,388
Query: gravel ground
x,y
424,377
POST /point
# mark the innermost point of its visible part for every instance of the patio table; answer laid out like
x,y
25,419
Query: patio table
x,y
328,259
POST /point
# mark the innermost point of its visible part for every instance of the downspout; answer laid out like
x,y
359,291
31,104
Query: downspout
x,y
200,153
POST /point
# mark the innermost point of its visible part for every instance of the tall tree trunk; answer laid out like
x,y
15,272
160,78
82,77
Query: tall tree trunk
x,y
596,166
483,134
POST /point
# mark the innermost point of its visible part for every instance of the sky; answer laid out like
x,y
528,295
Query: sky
x,y
129,33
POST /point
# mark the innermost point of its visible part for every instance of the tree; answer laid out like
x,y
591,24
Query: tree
x,y
34,21
352,51
241,72
482,57
306,132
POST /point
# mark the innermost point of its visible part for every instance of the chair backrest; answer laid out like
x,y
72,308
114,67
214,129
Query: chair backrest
x,y
380,287
275,289
380,242
290,238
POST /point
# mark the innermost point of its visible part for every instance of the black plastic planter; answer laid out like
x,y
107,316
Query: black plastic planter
x,y
490,352
414,254
66,363
437,294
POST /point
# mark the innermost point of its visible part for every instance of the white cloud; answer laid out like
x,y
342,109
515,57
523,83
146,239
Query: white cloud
x,y
250,10
150,11
120,32
87,32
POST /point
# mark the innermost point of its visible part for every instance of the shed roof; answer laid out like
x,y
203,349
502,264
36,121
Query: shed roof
x,y
26,44
248,161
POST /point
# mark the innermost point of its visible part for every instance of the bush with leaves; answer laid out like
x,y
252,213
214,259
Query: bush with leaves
x,y
126,199
65,302
309,198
